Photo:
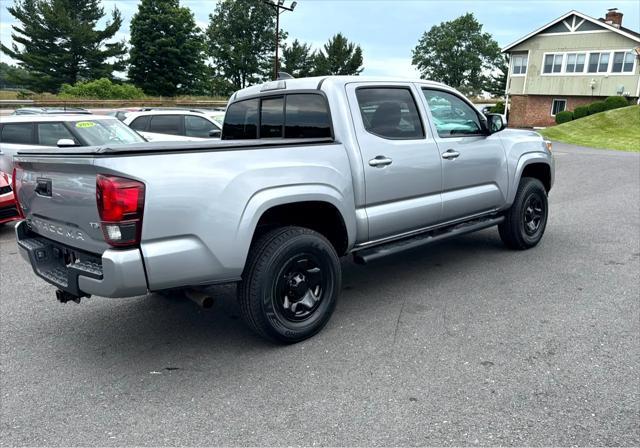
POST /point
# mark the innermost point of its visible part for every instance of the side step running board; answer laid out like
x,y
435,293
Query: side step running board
x,y
366,255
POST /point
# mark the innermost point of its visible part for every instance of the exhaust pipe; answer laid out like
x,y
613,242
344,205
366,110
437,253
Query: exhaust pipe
x,y
199,298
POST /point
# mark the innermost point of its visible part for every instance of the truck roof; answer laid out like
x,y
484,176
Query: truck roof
x,y
314,83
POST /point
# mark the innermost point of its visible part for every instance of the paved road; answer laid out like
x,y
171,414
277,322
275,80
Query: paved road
x,y
462,343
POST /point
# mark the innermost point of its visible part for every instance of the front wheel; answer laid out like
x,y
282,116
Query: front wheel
x,y
526,220
290,284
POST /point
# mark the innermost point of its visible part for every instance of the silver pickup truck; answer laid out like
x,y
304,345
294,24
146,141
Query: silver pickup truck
x,y
307,171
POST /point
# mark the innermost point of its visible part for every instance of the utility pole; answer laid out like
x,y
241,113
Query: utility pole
x,y
280,8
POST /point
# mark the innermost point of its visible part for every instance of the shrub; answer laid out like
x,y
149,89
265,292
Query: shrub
x,y
101,89
614,102
580,112
498,108
564,116
24,95
598,106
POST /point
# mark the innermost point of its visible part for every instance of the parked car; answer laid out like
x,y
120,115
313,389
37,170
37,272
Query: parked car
x,y
173,124
121,114
53,131
307,171
485,109
51,111
8,209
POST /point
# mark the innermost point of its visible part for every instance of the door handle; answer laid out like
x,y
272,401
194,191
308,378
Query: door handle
x,y
380,161
450,154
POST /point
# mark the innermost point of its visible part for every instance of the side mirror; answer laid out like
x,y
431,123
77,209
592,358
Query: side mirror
x,y
495,123
65,143
215,133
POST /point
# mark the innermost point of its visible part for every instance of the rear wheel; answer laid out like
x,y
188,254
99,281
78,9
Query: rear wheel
x,y
290,284
526,220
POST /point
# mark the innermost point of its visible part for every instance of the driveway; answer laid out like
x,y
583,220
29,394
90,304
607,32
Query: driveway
x,y
461,343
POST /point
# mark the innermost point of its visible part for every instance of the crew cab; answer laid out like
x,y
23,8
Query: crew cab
x,y
307,171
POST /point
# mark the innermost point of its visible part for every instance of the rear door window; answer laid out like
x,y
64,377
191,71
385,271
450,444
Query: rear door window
x,y
50,133
20,133
307,116
390,112
166,124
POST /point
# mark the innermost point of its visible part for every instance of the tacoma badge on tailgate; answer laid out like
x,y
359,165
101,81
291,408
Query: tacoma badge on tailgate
x,y
47,227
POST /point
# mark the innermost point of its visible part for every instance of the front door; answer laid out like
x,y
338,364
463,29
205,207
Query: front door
x,y
474,166
402,165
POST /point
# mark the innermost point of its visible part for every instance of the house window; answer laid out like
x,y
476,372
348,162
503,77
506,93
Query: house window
x,y
558,106
598,62
519,64
622,62
553,63
575,62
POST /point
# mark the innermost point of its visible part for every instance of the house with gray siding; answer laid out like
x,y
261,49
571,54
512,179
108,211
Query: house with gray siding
x,y
573,60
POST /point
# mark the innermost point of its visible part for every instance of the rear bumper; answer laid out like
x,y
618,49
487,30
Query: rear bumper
x,y
117,273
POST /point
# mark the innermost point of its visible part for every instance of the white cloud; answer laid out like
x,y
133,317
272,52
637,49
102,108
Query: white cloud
x,y
389,66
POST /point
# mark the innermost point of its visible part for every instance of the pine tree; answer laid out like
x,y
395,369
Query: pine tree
x,y
496,83
339,57
57,42
297,60
167,49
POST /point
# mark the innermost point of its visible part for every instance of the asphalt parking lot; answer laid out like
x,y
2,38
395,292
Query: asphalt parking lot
x,y
460,343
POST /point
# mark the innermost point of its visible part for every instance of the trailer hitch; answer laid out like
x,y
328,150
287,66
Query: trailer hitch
x,y
64,297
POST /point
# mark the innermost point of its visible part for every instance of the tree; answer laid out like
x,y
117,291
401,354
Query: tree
x,y
339,57
457,53
57,42
496,83
167,49
241,40
12,77
297,60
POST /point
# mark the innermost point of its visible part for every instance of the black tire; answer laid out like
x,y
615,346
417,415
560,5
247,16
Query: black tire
x,y
290,284
526,220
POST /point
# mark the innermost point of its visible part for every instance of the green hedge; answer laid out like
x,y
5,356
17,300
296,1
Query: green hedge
x,y
101,89
598,106
615,102
564,116
580,112
498,108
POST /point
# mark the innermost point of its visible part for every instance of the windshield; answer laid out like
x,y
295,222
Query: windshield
x,y
218,118
102,132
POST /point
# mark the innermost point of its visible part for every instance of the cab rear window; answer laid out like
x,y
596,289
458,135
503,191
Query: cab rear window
x,y
295,115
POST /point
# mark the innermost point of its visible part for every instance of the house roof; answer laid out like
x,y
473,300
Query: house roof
x,y
633,35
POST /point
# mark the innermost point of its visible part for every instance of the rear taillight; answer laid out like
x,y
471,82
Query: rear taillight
x,y
121,205
14,186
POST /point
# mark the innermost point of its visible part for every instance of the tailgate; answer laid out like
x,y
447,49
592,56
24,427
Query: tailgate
x,y
58,197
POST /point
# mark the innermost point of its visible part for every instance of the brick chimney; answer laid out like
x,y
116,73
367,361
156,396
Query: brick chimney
x,y
613,17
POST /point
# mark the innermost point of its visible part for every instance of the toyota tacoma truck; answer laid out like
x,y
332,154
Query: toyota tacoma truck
x,y
307,171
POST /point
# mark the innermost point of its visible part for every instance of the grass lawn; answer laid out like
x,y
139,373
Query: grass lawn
x,y
612,129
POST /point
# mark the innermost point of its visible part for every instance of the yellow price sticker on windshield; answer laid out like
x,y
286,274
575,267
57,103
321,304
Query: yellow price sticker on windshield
x,y
85,124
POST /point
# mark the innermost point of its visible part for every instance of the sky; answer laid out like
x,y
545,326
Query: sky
x,y
388,30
